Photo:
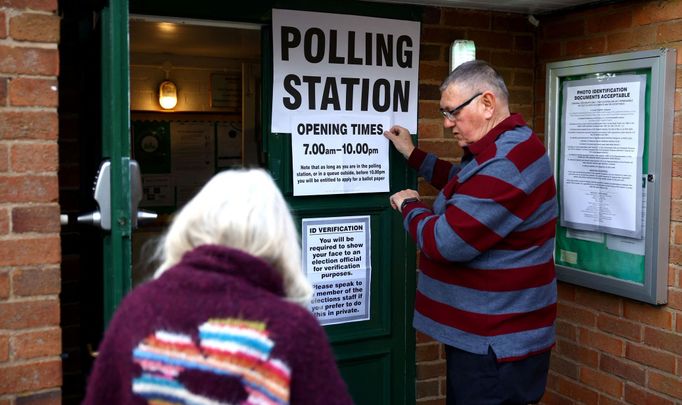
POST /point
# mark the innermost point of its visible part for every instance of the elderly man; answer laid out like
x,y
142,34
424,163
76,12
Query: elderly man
x,y
487,287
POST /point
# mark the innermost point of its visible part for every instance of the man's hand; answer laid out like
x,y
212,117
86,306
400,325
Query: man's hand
x,y
401,139
398,198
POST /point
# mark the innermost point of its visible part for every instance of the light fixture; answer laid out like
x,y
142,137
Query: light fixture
x,y
461,51
168,95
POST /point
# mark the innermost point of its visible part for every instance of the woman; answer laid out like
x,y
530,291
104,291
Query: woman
x,y
225,319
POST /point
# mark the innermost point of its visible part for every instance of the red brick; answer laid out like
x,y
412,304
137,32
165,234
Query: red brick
x,y
433,72
662,340
656,11
4,348
4,221
603,382
650,357
33,61
29,314
669,33
563,30
632,39
578,353
18,252
494,40
635,394
666,384
42,219
575,390
3,29
601,341
35,27
28,188
34,157
566,330
428,388
619,326
647,314
511,23
32,282
30,377
609,22
3,91
574,314
430,129
677,228
43,5
53,397
28,125
675,298
467,18
427,352
4,158
430,369
33,92
564,367
628,370
35,344
4,285
442,149
586,46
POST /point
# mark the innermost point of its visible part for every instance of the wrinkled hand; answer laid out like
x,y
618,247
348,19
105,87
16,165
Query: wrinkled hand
x,y
401,139
398,198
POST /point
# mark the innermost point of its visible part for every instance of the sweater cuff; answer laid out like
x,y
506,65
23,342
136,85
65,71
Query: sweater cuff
x,y
416,158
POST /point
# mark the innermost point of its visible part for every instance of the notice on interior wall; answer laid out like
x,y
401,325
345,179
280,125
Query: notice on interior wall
x,y
337,261
338,154
601,161
193,157
324,63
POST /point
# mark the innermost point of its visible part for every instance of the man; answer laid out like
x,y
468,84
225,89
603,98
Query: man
x,y
486,287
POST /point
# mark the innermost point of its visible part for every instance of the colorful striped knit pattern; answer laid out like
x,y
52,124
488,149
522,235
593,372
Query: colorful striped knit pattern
x,y
486,267
227,347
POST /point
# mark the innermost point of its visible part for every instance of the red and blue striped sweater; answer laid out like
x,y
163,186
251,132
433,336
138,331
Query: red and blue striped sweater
x,y
486,266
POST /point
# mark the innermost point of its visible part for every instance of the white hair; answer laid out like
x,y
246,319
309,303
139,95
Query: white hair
x,y
242,209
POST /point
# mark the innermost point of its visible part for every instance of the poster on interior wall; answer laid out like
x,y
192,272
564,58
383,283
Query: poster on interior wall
x,y
339,154
336,63
336,260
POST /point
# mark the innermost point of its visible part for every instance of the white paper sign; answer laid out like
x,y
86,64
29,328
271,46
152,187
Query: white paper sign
x,y
602,146
342,63
337,261
336,154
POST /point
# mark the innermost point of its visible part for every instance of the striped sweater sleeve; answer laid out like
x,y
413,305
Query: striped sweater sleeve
x,y
507,193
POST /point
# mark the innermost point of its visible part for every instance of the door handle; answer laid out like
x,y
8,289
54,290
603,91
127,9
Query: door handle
x,y
102,195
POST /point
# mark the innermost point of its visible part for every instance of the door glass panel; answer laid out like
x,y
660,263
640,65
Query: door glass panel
x,y
213,70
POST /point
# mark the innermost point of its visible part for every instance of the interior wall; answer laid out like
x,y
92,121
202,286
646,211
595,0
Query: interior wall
x,y
614,350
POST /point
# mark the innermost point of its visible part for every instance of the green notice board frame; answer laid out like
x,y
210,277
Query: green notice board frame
x,y
632,263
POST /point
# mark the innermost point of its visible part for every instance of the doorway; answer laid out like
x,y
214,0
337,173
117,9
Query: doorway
x,y
212,124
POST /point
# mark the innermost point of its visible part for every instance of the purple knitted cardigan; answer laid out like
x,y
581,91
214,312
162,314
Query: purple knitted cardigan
x,y
215,328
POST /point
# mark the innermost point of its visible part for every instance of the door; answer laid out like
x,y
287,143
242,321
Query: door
x,y
375,356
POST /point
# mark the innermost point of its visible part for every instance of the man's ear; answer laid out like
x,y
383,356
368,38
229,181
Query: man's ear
x,y
489,102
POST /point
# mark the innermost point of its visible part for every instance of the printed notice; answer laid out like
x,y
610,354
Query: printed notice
x,y
601,162
339,154
337,261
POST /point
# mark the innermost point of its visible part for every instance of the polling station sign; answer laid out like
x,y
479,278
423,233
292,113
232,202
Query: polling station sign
x,y
325,63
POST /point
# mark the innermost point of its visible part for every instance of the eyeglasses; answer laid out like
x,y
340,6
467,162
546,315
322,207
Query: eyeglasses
x,y
452,114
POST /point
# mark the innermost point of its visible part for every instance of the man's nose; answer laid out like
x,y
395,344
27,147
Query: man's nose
x,y
447,123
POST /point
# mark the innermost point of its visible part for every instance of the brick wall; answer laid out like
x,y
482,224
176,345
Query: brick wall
x,y
30,336
508,42
613,350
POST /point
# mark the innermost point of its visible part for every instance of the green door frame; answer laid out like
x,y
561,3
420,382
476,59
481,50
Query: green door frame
x,y
116,147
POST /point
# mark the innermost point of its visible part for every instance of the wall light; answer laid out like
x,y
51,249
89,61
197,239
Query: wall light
x,y
461,51
168,95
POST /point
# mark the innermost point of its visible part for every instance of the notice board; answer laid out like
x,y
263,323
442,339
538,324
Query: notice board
x,y
609,135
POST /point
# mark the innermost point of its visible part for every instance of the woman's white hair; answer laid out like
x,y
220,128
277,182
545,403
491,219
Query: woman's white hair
x,y
242,209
